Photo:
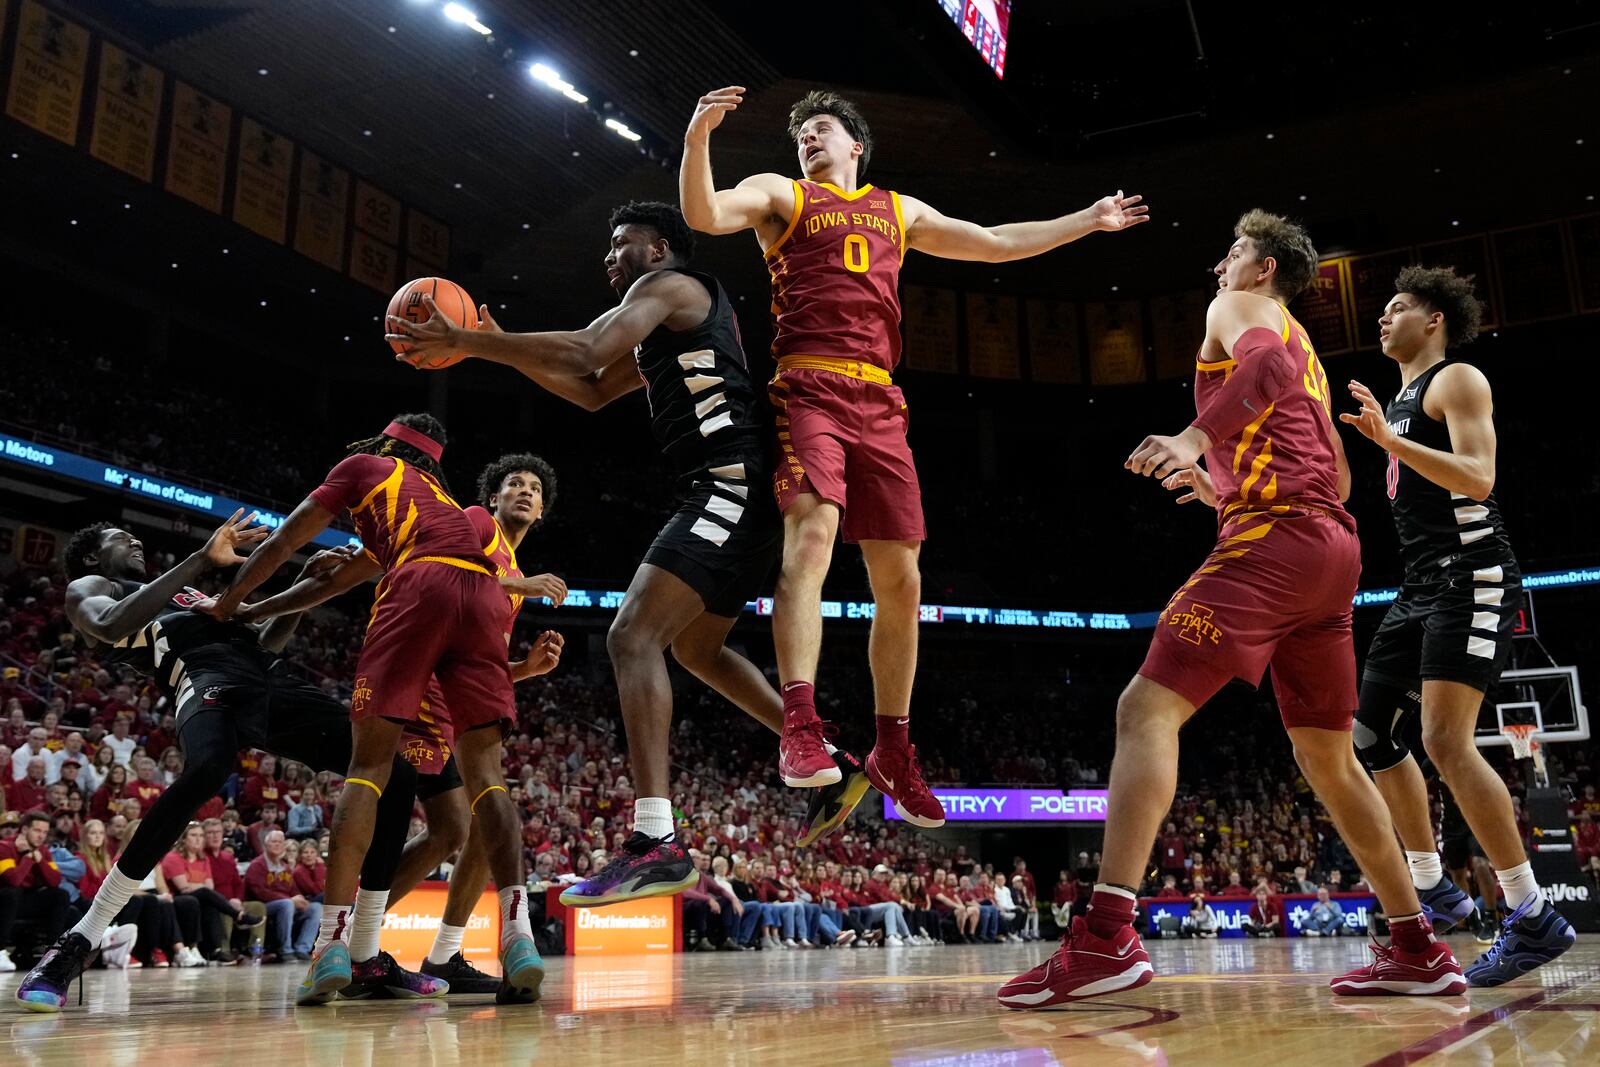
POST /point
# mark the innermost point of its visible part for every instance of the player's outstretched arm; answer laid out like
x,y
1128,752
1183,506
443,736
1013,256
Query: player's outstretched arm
x,y
325,576
93,608
939,235
323,568
304,523
1466,404
747,205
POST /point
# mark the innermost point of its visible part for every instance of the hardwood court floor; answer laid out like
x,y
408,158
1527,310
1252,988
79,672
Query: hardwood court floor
x,y
1232,1003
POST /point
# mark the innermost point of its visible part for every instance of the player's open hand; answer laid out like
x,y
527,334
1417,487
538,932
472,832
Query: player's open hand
x,y
208,606
1161,456
429,339
547,586
486,323
222,550
1197,481
709,112
1370,420
542,658
322,564
1119,212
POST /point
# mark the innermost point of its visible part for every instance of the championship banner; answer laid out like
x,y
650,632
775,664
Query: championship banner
x,y
126,112
1531,267
930,320
261,183
1116,342
1016,805
1054,352
377,213
427,239
1177,329
1468,255
992,336
373,262
197,158
319,222
1324,308
1295,909
1585,234
1372,287
409,927
47,70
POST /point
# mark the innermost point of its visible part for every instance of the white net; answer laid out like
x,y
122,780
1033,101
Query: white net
x,y
1521,737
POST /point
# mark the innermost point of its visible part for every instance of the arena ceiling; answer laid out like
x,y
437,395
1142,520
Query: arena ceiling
x,y
1375,126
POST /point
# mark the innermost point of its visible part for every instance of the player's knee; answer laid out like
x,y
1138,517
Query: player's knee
x,y
629,639
1448,747
1381,720
1377,751
807,550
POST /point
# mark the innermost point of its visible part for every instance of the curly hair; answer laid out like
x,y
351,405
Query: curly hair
x,y
827,102
1286,242
81,545
665,220
490,479
384,445
1442,289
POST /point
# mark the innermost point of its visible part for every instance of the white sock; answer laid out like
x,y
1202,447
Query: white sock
x,y
335,925
446,943
368,923
114,894
513,913
652,816
1519,886
1426,870
1114,890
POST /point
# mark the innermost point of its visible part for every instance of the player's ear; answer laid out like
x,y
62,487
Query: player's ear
x,y
1269,268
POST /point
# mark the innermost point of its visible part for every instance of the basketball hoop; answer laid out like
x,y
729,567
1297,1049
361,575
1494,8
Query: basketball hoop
x,y
1520,736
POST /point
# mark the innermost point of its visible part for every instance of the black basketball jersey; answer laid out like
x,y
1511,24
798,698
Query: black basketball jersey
x,y
702,403
179,640
1439,530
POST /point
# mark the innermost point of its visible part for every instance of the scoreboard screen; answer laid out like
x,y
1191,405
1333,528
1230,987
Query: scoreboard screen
x,y
984,24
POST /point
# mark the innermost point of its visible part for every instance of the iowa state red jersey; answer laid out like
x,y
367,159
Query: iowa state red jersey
x,y
836,275
502,557
1285,456
401,514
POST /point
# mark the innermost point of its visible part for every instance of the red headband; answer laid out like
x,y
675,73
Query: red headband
x,y
416,439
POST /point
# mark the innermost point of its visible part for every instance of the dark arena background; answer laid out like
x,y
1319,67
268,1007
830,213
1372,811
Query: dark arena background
x,y
208,204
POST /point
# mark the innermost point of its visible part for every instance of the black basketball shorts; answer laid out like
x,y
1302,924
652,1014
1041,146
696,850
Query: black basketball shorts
x,y
725,534
1457,629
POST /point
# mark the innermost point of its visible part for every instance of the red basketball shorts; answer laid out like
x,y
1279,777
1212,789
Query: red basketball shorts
x,y
436,620
844,439
427,741
1275,591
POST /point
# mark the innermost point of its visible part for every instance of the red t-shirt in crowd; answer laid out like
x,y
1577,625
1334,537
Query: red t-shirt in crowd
x,y
145,793
19,870
198,871
1172,852
311,881
225,874
264,884
1066,892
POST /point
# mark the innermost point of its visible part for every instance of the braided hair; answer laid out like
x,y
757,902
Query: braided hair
x,y
384,445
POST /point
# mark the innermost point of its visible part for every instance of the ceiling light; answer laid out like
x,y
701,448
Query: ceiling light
x,y
457,13
262,71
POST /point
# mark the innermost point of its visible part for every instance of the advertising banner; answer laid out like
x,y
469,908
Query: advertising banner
x,y
1016,805
1296,909
410,926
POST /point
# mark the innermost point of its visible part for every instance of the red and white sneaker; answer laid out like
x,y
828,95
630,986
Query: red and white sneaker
x,y
1396,972
897,776
803,758
1084,966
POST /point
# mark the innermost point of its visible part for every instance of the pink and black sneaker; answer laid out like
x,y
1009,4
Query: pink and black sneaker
x,y
381,978
645,867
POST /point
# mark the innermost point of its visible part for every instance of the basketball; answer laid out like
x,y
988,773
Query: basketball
x,y
452,301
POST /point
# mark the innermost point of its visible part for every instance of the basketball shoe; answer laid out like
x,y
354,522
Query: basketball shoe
x,y
1396,972
1084,966
44,988
1524,943
1446,905
330,972
381,978
523,971
896,775
831,805
803,758
463,977
644,867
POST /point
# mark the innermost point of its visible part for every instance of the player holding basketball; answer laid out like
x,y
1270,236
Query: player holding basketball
x,y
833,247
439,612
515,492
1276,590
674,333
1450,628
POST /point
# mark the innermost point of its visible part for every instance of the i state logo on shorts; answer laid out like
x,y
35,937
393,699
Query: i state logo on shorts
x,y
1195,625
360,695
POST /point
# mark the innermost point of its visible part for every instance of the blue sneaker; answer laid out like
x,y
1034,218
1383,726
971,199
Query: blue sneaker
x,y
1524,943
521,971
330,972
44,988
1445,905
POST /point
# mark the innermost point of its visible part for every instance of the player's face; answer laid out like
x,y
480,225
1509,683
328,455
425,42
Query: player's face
x,y
1240,269
825,147
121,554
634,253
521,498
1405,325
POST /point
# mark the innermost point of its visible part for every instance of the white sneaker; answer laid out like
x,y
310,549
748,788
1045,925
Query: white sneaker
x,y
117,944
892,942
189,956
790,942
6,966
